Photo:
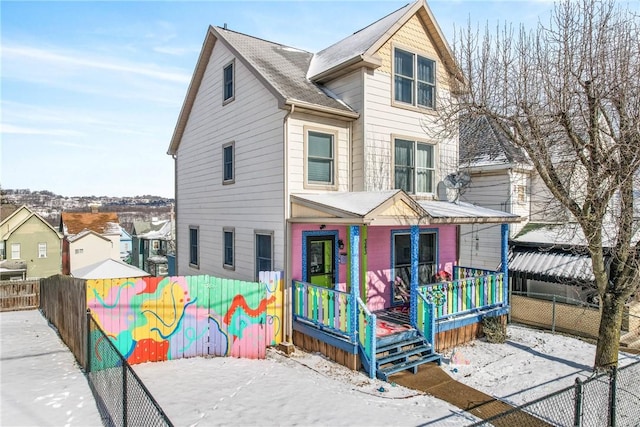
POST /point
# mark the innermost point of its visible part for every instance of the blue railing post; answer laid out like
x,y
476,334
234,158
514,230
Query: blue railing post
x,y
354,274
505,262
415,242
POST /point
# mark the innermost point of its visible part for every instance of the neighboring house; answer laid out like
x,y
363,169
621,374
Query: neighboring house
x,y
30,248
102,224
151,242
320,165
125,245
86,248
108,269
547,250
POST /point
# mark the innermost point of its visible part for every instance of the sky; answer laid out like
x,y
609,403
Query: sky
x,y
91,91
47,388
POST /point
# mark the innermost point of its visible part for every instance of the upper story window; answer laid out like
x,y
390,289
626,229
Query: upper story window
x,y
414,166
228,154
320,161
194,253
414,79
15,251
228,247
228,78
42,250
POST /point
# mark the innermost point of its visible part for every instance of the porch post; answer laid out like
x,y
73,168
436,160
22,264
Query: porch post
x,y
415,242
504,228
354,274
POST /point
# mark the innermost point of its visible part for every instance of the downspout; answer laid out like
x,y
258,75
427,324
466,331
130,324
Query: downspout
x,y
286,312
175,211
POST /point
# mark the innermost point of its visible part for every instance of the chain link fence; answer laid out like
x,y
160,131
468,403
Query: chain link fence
x,y
609,399
121,397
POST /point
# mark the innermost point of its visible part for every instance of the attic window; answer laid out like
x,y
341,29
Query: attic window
x,y
414,79
228,77
42,250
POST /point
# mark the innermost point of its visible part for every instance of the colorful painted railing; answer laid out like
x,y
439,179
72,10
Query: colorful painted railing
x,y
367,337
465,295
325,308
460,272
425,319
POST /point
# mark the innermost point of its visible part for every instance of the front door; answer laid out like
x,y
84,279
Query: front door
x,y
321,261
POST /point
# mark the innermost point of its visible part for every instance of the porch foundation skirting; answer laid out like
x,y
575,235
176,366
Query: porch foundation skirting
x,y
453,337
339,355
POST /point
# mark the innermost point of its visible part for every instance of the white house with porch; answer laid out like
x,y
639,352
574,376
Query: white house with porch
x,y
319,165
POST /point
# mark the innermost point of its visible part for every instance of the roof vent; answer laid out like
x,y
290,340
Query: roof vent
x,y
225,26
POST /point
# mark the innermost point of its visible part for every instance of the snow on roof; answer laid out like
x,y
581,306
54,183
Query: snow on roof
x,y
108,269
354,45
161,231
358,203
461,210
85,233
553,264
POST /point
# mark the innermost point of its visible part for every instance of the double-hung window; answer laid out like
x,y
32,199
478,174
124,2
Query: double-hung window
x,y
414,166
228,155
15,251
228,251
414,79
194,254
228,88
320,158
42,250
264,252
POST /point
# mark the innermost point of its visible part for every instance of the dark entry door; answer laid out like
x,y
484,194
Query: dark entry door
x,y
321,261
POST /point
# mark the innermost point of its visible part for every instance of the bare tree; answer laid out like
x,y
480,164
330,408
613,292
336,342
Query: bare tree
x,y
568,93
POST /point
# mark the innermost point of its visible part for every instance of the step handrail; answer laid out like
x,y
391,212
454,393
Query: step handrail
x,y
367,337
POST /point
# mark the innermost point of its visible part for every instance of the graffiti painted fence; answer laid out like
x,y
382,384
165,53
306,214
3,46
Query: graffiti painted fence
x,y
154,319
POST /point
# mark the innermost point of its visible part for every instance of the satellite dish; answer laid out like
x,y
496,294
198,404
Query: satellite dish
x,y
455,181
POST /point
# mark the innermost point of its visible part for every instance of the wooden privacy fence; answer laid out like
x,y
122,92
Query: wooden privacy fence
x,y
63,303
19,295
153,318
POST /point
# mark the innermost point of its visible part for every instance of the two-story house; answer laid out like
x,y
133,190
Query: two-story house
x,y
327,166
88,237
29,246
152,241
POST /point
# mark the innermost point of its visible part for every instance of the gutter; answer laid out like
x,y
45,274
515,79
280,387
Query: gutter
x,y
352,115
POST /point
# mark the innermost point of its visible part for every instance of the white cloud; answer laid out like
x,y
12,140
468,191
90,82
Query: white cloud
x,y
19,130
81,60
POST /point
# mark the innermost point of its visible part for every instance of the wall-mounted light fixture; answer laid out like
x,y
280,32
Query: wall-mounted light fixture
x,y
322,226
340,244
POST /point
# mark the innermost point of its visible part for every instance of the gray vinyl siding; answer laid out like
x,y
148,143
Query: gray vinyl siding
x,y
480,246
255,201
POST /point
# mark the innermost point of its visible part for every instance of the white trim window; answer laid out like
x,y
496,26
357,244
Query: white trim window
x,y
228,237
15,251
414,166
228,83
42,250
264,252
320,162
194,250
414,79
228,163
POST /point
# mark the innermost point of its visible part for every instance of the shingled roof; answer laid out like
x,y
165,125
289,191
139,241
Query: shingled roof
x,y
100,222
482,143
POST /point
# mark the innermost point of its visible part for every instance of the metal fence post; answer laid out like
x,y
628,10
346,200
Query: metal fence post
x,y
577,412
553,315
612,396
125,410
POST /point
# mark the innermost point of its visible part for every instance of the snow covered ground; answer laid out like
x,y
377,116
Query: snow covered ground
x,y
42,385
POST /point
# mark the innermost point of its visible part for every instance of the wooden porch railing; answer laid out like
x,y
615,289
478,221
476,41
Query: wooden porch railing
x,y
466,294
367,337
460,272
326,308
424,319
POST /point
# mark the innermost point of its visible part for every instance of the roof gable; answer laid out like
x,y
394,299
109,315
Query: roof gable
x,y
85,234
100,222
361,47
14,222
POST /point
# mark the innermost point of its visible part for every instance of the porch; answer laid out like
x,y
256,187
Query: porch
x,y
389,340
401,285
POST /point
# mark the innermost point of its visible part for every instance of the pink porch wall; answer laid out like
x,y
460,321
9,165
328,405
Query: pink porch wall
x,y
378,257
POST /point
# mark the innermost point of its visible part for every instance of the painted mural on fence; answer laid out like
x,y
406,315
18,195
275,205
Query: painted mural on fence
x,y
155,319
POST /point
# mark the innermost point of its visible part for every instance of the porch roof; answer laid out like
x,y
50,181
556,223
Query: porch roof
x,y
391,207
